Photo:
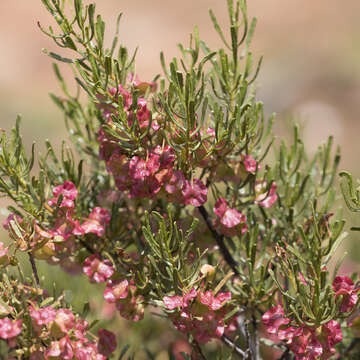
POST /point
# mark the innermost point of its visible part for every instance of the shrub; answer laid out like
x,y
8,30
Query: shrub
x,y
174,204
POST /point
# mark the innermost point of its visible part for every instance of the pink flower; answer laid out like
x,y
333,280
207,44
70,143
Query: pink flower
x,y
142,173
194,194
172,302
302,279
141,169
249,163
199,313
10,328
214,303
68,191
98,271
123,294
344,286
90,227
42,316
138,169
61,349
115,290
107,342
95,223
146,188
263,198
64,321
81,327
143,114
127,98
87,351
274,318
331,333
166,155
188,297
228,217
305,342
63,227
230,221
100,215
176,183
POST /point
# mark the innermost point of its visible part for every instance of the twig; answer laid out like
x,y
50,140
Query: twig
x,y
248,339
233,346
87,246
34,269
284,354
220,241
198,349
255,339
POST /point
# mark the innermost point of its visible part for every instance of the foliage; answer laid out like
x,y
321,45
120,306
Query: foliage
x,y
174,201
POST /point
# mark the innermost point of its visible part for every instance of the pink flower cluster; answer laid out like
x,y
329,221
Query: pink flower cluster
x,y
155,177
344,286
264,198
230,222
65,336
123,294
249,163
143,114
305,342
108,144
61,238
10,328
200,314
98,270
309,343
57,244
68,192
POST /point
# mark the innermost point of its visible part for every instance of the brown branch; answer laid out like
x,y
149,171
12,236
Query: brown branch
x,y
34,269
234,347
198,349
284,355
255,340
219,240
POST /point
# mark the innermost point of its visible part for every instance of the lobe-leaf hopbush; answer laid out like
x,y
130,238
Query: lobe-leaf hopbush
x,y
180,203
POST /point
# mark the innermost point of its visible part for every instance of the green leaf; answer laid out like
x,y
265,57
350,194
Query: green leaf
x,y
57,57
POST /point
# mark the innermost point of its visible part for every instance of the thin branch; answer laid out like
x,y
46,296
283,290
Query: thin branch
x,y
284,354
198,349
234,347
34,269
219,240
255,341
87,246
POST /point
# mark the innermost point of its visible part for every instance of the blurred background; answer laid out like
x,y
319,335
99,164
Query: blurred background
x,y
311,66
